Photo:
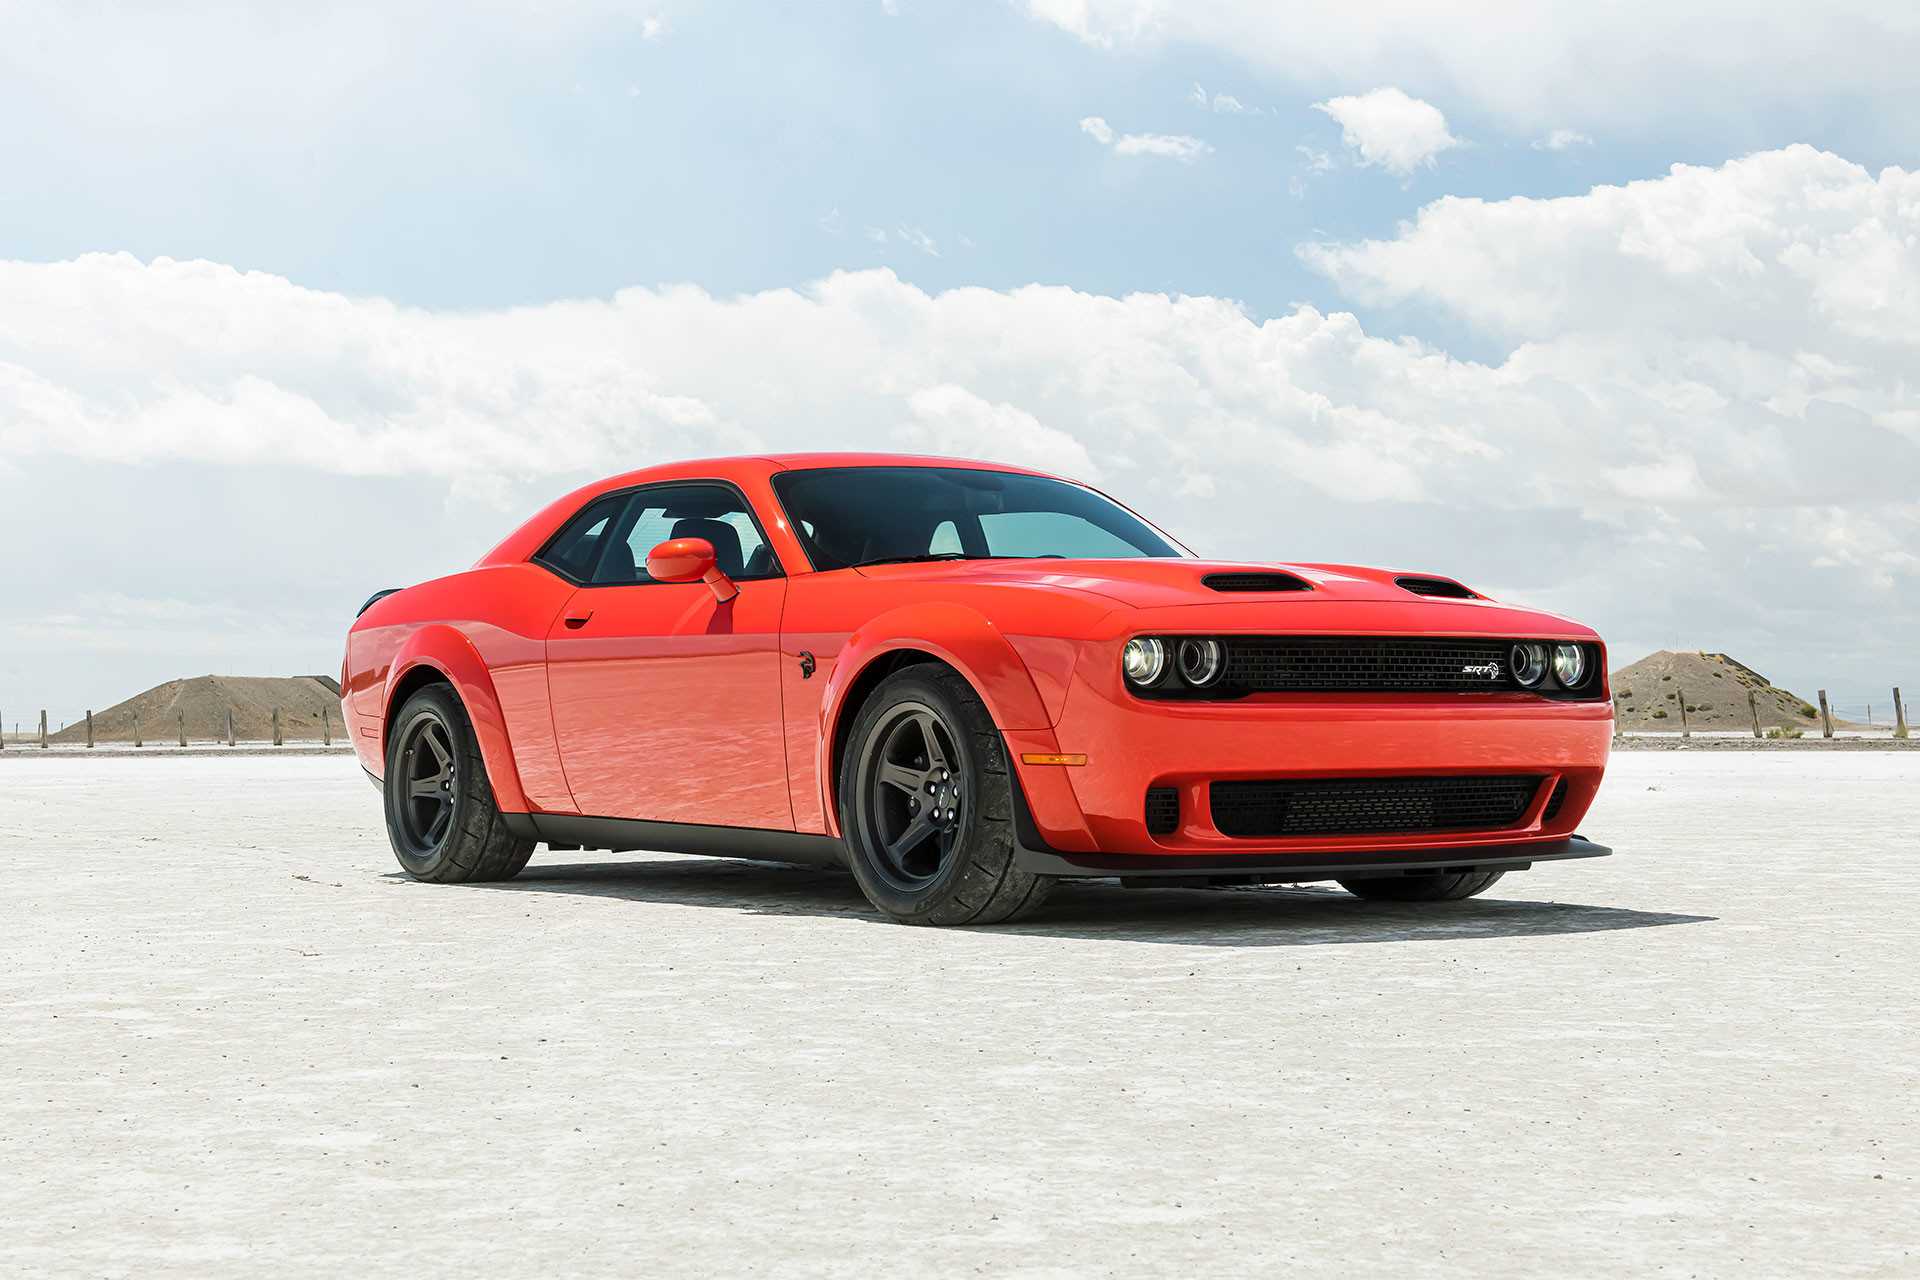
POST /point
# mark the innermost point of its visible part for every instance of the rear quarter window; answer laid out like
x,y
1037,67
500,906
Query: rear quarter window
x,y
574,550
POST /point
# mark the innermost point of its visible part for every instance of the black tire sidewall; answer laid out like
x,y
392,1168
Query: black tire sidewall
x,y
1441,888
438,702
909,687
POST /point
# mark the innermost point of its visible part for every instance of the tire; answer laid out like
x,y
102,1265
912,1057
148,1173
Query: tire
x,y
1440,888
453,833
923,744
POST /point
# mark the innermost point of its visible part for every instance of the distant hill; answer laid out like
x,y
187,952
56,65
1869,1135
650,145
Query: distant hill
x,y
1646,696
206,700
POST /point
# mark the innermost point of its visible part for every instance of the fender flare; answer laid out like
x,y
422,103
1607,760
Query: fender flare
x,y
962,638
448,651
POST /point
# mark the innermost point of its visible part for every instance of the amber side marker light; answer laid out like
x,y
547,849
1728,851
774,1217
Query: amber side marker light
x,y
1037,757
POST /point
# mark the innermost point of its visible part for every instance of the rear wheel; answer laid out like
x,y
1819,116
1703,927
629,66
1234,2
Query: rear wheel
x,y
926,805
441,817
1440,888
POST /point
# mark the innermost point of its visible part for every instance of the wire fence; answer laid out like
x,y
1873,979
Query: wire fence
x,y
163,730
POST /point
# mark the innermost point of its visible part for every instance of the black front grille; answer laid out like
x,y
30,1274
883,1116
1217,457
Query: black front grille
x,y
1163,811
1368,664
1554,801
1368,806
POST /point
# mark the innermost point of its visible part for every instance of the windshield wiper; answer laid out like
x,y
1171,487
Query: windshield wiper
x,y
934,555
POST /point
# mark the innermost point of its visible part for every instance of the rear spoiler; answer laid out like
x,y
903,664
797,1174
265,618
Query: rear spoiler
x,y
378,595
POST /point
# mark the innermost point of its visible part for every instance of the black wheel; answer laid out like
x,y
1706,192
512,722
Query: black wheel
x,y
1439,888
441,817
926,805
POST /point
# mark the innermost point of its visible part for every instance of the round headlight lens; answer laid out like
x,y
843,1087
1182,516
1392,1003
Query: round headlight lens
x,y
1529,663
1143,660
1201,662
1569,664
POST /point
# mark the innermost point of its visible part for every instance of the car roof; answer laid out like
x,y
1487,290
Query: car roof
x,y
750,472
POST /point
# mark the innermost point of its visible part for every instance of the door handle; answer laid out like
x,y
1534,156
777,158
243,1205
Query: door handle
x,y
577,618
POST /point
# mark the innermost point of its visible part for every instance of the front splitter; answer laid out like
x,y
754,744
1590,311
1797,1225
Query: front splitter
x,y
1501,857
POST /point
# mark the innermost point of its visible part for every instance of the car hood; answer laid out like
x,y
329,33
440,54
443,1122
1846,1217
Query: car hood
x,y
1156,584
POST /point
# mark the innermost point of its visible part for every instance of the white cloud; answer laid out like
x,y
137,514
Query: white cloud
x,y
1174,146
1389,129
1561,139
915,238
1223,103
1626,66
1708,413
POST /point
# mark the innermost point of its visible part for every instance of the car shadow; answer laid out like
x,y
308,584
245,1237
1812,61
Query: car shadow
x,y
1103,910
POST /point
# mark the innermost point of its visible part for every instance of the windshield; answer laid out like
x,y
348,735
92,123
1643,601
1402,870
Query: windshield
x,y
877,515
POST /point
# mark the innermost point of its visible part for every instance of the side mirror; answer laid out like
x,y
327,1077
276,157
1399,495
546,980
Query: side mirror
x,y
690,560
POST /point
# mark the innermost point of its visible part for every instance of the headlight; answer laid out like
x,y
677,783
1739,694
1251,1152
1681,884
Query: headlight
x,y
1201,662
1529,663
1143,660
1569,664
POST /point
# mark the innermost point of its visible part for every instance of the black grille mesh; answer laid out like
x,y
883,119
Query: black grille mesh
x,y
1367,664
1554,801
1444,587
1163,811
1368,806
1255,582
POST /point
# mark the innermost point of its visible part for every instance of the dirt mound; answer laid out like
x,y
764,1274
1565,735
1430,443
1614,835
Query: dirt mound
x,y
206,700
1648,694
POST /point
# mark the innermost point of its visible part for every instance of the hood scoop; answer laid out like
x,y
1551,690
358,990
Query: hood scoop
x,y
1446,588
1255,582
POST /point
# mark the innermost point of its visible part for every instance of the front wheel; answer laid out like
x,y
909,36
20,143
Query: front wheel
x,y
926,805
1439,888
441,817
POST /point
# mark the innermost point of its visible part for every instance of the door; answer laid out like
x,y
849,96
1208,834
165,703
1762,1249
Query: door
x,y
666,701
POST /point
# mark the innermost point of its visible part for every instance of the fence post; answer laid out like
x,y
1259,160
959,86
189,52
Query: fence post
x,y
183,727
229,726
136,730
326,728
1753,709
1685,732
43,731
89,730
1826,717
1899,715
276,726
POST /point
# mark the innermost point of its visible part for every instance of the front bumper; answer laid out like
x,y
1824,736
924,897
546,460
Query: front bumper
x,y
1131,745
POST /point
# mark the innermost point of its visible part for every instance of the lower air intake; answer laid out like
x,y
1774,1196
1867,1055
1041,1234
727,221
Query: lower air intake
x,y
1267,809
1554,801
1163,811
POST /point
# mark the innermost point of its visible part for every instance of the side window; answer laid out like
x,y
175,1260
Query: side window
x,y
577,546
945,541
713,512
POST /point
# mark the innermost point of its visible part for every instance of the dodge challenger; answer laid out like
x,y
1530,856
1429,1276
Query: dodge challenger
x,y
963,682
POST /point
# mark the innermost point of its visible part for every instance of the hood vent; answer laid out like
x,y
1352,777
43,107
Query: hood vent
x,y
1445,587
1255,582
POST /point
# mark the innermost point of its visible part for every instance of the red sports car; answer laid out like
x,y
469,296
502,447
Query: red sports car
x,y
963,681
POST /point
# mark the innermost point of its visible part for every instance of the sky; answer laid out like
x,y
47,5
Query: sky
x,y
1609,309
